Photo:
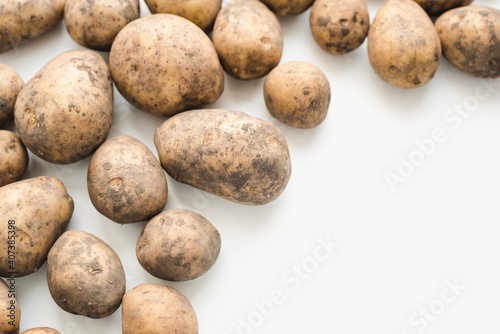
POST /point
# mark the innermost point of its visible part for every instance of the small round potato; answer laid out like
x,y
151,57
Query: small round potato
x,y
10,86
41,330
10,312
436,7
13,158
178,245
155,308
297,94
200,12
339,26
288,7
470,39
95,24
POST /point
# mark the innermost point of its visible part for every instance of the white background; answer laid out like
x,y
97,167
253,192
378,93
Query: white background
x,y
397,248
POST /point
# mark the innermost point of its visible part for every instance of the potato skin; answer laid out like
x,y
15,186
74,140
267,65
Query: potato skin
x,y
10,310
227,153
298,94
14,158
339,26
126,182
178,245
24,20
403,46
41,330
164,64
288,7
155,308
10,86
40,209
200,12
85,276
248,39
470,38
65,111
436,7
95,24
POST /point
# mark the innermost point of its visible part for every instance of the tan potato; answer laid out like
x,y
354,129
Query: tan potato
x,y
178,245
95,24
33,213
200,12
13,158
248,39
85,276
41,330
24,20
164,64
125,181
10,314
227,153
298,94
155,308
339,26
469,36
288,7
65,111
403,46
436,7
10,86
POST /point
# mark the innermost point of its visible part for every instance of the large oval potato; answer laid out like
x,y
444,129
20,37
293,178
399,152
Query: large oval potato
x,y
65,111
125,181
155,308
435,7
164,64
227,153
24,20
10,313
403,46
41,330
34,212
248,39
470,38
288,7
95,24
200,12
10,86
85,276
13,158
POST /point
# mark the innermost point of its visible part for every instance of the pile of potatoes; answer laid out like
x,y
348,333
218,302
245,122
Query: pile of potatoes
x,y
172,64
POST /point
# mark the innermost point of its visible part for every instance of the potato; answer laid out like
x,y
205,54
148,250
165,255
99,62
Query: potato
x,y
65,111
24,20
178,245
288,7
298,94
339,26
41,330
164,64
200,12
85,276
126,182
13,158
34,213
469,36
10,86
95,24
403,46
248,39
10,314
227,153
436,7
155,308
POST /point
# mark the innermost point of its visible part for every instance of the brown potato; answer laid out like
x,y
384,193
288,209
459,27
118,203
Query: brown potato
x,y
339,26
65,111
85,275
297,94
227,153
436,7
10,86
24,20
10,314
125,181
13,158
41,330
95,24
403,46
469,36
155,308
288,7
200,12
178,245
164,64
248,39
34,213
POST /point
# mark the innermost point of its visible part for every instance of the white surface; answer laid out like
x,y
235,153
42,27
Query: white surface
x,y
397,247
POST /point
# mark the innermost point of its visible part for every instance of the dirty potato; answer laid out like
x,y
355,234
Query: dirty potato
x,y
13,158
10,313
10,86
288,7
41,330
436,7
